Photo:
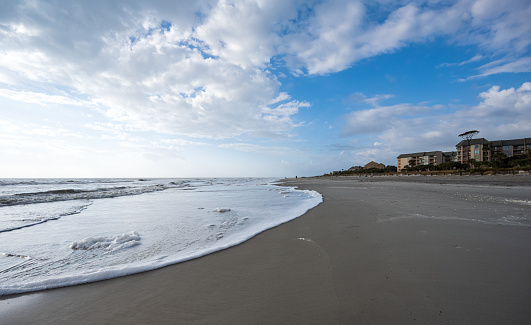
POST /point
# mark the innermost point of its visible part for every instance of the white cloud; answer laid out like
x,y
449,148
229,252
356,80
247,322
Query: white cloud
x,y
503,66
245,32
182,142
338,33
378,119
501,114
375,101
512,104
257,149
341,34
42,99
475,58
139,70
326,44
501,26
206,69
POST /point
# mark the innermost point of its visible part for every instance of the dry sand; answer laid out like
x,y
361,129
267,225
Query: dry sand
x,y
380,250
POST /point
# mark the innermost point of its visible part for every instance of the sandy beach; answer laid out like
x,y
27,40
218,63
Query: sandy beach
x,y
378,250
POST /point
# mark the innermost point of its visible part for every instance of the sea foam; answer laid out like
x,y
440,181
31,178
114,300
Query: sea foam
x,y
170,226
112,243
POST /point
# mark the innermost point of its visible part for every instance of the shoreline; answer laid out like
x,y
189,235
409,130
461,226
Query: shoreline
x,y
371,253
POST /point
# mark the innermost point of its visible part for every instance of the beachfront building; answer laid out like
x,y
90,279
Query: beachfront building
x,y
484,150
477,149
373,164
424,158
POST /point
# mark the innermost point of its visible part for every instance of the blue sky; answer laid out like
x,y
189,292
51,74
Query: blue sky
x,y
254,88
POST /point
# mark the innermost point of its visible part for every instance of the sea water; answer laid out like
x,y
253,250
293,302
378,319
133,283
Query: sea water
x,y
61,232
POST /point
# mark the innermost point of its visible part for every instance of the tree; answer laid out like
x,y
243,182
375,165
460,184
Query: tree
x,y
499,160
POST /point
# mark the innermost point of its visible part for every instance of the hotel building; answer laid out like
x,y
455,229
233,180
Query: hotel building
x,y
424,158
484,150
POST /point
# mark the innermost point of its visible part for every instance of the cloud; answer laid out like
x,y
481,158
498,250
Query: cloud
x,y
374,101
511,104
325,45
328,46
245,33
182,142
257,149
143,68
475,58
503,66
378,119
404,128
500,27
42,99
207,69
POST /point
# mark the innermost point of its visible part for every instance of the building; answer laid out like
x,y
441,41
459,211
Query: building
x,y
484,150
477,149
354,168
424,158
373,164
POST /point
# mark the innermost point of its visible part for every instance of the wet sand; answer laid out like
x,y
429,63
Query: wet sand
x,y
378,250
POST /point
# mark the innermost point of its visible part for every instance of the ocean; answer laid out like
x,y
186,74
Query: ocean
x,y
61,232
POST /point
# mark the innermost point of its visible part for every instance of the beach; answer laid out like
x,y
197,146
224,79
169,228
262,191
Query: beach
x,y
378,250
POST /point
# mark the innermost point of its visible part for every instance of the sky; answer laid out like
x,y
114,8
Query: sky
x,y
254,88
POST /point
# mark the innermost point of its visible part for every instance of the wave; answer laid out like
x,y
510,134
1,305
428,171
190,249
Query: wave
x,y
170,228
62,181
34,195
29,222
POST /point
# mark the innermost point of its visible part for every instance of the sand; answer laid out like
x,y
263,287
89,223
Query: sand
x,y
378,250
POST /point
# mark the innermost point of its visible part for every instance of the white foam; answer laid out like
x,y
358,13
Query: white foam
x,y
221,210
173,230
111,243
523,202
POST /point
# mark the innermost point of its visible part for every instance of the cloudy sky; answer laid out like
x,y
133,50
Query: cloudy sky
x,y
253,87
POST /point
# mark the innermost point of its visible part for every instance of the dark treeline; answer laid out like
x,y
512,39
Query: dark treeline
x,y
387,170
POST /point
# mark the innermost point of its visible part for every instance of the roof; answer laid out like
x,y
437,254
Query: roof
x,y
472,142
374,163
513,142
419,154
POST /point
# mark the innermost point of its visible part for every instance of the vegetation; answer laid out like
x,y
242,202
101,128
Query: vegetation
x,y
451,165
501,164
387,170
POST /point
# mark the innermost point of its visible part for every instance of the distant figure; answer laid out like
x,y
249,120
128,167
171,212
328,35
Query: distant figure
x,y
295,176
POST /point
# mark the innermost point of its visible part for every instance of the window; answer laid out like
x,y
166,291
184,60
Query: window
x,y
506,147
476,152
476,146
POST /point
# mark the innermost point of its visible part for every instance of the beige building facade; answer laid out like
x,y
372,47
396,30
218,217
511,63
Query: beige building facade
x,y
424,158
485,150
